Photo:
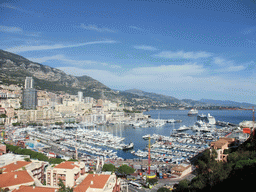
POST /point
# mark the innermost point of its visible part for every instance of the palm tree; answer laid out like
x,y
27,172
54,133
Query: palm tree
x,y
63,188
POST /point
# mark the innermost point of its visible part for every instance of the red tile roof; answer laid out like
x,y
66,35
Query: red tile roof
x,y
34,189
8,179
66,165
14,166
99,181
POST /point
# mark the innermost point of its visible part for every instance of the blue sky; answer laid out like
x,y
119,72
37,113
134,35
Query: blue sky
x,y
186,49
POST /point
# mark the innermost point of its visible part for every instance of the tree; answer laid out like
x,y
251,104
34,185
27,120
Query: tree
x,y
63,188
108,167
152,181
27,159
163,189
125,169
183,185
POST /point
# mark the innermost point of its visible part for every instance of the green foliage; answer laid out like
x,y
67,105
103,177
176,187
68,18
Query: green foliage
x,y
16,124
63,188
152,181
128,111
108,167
27,159
3,116
33,154
238,171
163,189
183,185
59,123
125,169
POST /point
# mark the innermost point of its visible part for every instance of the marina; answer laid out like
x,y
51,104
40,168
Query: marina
x,y
171,142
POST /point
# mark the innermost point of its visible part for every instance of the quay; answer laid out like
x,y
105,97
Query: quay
x,y
225,124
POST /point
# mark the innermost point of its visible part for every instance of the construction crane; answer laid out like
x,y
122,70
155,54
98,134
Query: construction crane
x,y
149,155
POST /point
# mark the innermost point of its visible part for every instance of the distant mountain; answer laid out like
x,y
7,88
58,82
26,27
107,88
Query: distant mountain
x,y
226,103
15,68
154,96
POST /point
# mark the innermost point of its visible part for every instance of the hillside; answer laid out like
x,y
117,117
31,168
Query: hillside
x,y
15,68
226,103
238,173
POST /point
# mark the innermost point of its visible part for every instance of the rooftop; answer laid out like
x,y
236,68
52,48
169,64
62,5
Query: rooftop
x,y
92,181
34,189
15,178
67,165
14,166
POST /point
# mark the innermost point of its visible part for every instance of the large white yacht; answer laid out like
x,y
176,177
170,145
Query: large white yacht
x,y
193,112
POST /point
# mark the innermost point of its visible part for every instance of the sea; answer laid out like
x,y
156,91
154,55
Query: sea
x,y
135,134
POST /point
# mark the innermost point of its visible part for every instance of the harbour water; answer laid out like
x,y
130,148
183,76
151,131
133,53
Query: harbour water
x,y
135,134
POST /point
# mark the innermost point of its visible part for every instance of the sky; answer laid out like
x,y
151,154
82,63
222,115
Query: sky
x,y
186,49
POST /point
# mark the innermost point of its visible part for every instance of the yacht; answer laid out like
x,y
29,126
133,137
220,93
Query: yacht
x,y
146,137
130,146
211,119
193,112
183,128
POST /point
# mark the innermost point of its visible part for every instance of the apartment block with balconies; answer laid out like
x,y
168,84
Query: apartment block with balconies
x,y
67,171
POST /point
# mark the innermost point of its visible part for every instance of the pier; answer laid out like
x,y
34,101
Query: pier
x,y
225,124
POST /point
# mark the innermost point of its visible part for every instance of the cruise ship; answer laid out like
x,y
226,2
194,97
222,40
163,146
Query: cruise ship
x,y
207,119
193,112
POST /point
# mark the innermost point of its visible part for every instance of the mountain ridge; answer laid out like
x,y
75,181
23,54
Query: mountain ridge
x,y
15,68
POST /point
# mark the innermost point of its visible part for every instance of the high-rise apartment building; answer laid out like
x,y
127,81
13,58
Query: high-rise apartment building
x,y
80,96
29,83
29,100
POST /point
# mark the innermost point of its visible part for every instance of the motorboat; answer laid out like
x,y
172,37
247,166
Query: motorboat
x,y
192,112
129,146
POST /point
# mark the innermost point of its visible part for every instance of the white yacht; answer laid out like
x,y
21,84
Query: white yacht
x,y
193,112
211,119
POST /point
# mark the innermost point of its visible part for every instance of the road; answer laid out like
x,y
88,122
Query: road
x,y
161,183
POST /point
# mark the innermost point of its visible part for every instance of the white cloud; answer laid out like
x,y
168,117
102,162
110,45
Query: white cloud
x,y
183,55
8,29
95,28
136,28
183,81
227,65
7,5
73,62
56,46
160,77
145,47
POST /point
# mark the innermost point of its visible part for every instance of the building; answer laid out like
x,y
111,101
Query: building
x,y
98,182
182,170
80,96
29,99
10,158
2,149
29,94
29,83
34,188
220,146
69,172
13,180
88,99
35,168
